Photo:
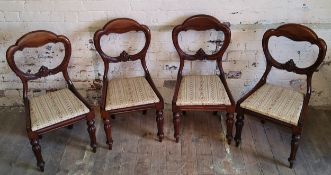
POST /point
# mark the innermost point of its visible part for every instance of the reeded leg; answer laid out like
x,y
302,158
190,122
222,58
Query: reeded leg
x,y
107,127
176,121
160,121
239,126
70,126
144,112
37,152
294,148
91,130
229,127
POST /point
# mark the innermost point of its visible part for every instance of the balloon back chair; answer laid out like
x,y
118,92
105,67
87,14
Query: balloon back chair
x,y
202,92
120,95
275,103
55,109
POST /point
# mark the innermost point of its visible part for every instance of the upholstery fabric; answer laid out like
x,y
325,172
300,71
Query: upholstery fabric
x,y
128,92
55,107
202,90
277,102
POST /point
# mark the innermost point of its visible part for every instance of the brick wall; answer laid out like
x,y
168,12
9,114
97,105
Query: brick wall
x,y
243,63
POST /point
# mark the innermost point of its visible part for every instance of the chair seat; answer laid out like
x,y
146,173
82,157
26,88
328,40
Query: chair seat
x,y
202,90
276,102
128,92
55,107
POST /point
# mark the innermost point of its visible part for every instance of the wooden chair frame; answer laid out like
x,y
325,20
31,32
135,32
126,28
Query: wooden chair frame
x,y
120,26
36,39
295,32
201,23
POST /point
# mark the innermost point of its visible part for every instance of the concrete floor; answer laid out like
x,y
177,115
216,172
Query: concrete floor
x,y
202,148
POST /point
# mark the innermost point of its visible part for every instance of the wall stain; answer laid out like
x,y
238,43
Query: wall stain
x,y
97,84
233,74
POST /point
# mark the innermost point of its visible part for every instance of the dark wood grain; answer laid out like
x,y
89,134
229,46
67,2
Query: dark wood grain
x,y
68,153
295,32
119,26
201,23
37,39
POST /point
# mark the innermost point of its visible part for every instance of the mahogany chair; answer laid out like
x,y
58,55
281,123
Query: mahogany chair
x,y
122,95
202,92
55,109
275,103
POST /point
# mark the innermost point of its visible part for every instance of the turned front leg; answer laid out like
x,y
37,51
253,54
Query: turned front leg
x,y
159,122
107,128
239,126
294,147
176,121
229,127
37,152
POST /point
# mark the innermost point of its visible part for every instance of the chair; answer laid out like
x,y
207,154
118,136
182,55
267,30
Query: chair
x,y
55,109
202,92
122,95
275,103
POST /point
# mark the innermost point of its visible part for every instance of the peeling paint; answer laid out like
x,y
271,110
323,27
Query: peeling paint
x,y
169,67
169,84
234,74
298,84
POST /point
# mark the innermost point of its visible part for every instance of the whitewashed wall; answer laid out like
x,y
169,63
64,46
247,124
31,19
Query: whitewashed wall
x,y
244,62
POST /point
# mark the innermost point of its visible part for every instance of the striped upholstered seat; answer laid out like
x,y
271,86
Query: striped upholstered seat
x,y
277,102
202,90
127,92
55,107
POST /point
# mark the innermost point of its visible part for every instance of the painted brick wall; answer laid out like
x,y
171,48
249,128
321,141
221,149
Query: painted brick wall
x,y
243,63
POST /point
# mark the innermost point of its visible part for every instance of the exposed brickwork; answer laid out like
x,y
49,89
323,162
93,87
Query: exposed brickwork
x,y
243,62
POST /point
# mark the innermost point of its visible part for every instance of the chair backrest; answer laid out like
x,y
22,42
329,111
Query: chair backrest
x,y
119,26
295,32
201,23
37,39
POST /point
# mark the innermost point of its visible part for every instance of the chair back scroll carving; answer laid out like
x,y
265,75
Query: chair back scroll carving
x,y
201,23
119,26
295,32
37,39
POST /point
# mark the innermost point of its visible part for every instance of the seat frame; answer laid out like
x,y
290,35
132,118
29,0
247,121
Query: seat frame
x,y
294,32
202,23
120,26
36,39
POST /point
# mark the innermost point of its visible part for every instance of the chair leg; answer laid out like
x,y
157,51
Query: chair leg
x,y
239,126
184,112
294,147
229,127
37,152
160,121
91,130
144,112
215,113
107,128
113,116
176,121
